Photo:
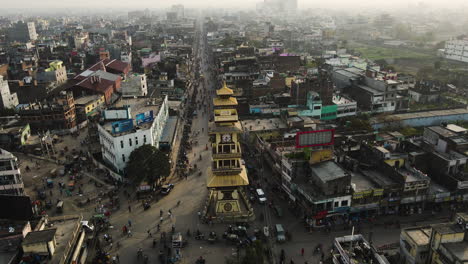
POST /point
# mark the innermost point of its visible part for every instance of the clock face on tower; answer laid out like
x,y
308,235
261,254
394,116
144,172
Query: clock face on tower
x,y
226,138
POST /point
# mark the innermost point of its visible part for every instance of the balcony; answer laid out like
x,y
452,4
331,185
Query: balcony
x,y
234,155
227,170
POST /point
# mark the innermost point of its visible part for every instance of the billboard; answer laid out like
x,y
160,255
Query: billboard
x,y
144,117
315,138
122,126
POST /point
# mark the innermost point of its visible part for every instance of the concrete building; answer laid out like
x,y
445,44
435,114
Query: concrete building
x,y
80,39
11,182
22,32
436,244
134,85
56,73
88,105
60,239
456,50
8,99
130,124
57,114
356,249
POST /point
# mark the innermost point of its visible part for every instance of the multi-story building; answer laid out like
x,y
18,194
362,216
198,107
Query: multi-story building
x,y
88,106
442,243
22,32
227,175
132,123
8,99
355,249
134,85
50,115
11,182
80,39
456,50
103,78
56,73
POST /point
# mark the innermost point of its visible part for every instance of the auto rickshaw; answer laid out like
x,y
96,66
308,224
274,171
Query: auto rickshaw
x,y
60,207
212,237
50,183
71,185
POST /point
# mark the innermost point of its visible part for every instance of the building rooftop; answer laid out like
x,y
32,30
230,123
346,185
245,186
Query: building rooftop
x,y
137,106
86,99
5,155
356,249
442,131
256,125
425,114
458,250
370,90
456,129
361,183
39,236
448,228
340,100
420,235
328,171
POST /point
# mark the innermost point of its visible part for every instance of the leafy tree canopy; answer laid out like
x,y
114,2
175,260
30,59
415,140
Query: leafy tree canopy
x,y
147,163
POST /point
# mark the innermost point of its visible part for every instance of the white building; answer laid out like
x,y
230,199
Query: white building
x,y
346,106
457,50
8,100
134,85
132,123
126,57
11,182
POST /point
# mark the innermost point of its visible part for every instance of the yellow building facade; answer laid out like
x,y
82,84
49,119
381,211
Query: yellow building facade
x,y
227,174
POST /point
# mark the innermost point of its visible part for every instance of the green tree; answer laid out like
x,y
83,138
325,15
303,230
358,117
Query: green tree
x,y
148,163
254,254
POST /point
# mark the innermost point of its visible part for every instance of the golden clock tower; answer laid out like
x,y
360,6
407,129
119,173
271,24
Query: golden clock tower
x,y
227,175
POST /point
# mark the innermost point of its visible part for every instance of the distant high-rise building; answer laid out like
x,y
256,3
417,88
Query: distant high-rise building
x,y
179,10
278,6
22,32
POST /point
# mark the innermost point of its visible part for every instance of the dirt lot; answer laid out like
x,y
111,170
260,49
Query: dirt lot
x,y
64,168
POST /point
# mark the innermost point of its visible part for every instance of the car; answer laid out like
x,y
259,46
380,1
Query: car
x,y
278,211
280,234
166,189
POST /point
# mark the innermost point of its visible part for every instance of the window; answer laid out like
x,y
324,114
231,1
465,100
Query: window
x,y
130,142
393,104
136,140
123,157
144,139
344,203
317,107
121,143
337,204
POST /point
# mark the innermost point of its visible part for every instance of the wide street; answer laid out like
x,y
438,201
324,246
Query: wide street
x,y
192,193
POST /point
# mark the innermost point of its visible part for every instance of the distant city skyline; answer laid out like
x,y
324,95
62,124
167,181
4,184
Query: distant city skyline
x,y
239,4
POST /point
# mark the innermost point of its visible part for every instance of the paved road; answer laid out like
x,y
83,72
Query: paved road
x,y
192,193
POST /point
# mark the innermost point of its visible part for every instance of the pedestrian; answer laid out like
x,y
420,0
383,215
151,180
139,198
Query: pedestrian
x,y
129,223
118,258
291,262
302,251
160,212
129,233
199,214
149,233
161,219
129,209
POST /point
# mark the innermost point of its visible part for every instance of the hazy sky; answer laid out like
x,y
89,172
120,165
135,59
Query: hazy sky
x,y
140,4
